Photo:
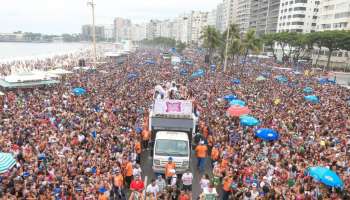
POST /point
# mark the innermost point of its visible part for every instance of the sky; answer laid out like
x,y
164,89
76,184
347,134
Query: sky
x,y
67,16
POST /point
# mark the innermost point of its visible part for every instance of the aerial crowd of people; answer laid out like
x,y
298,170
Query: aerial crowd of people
x,y
92,146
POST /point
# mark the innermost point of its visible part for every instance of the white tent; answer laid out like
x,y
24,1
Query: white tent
x,y
25,77
59,71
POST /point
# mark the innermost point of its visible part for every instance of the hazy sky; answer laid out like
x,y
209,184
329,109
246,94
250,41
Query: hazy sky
x,y
67,16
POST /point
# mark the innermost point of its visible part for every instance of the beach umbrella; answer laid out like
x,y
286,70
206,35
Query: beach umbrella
x,y
308,90
183,72
198,73
79,91
260,78
235,81
267,134
132,76
237,102
281,79
266,74
311,98
247,120
325,176
237,111
150,62
7,161
230,97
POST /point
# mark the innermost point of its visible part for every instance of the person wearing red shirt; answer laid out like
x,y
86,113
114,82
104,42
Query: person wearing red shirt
x,y
137,184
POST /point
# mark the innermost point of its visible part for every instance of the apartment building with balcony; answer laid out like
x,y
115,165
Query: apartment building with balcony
x,y
298,16
264,16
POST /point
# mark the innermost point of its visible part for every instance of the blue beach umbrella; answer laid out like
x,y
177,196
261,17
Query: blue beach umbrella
x,y
132,76
150,62
311,98
198,73
281,79
79,91
308,90
267,134
7,161
183,72
230,97
212,67
236,81
237,102
247,120
325,176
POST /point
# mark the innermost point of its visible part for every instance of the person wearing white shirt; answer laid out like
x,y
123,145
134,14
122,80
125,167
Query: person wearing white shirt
x,y
153,188
204,182
187,179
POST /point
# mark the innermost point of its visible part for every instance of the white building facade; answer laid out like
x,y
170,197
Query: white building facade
x,y
122,29
298,16
138,32
199,20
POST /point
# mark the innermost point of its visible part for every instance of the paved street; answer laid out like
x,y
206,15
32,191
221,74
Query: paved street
x,y
146,164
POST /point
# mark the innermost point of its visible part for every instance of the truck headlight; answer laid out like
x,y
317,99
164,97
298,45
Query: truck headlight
x,y
156,162
185,164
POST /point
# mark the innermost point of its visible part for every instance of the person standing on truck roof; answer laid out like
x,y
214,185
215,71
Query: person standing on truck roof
x,y
169,170
201,153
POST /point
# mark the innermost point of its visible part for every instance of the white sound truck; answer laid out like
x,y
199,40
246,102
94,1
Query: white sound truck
x,y
172,123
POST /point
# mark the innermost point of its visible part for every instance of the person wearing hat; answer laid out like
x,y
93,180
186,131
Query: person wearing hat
x,y
169,170
102,193
201,153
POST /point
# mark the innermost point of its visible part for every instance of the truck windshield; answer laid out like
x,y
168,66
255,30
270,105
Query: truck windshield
x,y
171,148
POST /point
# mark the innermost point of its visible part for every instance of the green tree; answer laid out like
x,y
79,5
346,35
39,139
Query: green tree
x,y
250,43
269,40
333,40
180,46
211,40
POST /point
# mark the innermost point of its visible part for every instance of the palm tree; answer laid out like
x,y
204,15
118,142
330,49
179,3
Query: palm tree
x,y
233,41
211,39
250,43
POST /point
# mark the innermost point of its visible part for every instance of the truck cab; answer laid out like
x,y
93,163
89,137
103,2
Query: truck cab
x,y
171,144
171,123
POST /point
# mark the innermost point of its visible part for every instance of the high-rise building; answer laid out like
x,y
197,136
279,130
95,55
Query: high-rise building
x,y
264,16
212,18
334,15
228,13
138,32
86,33
198,21
165,28
220,17
122,29
241,13
298,16
153,29
182,27
108,30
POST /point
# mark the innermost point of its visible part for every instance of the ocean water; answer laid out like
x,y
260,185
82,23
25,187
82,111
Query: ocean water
x,y
26,51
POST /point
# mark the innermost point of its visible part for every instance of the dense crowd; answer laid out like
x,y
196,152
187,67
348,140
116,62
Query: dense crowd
x,y
89,147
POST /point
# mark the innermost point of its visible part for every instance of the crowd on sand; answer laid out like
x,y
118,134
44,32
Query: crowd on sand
x,y
89,146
